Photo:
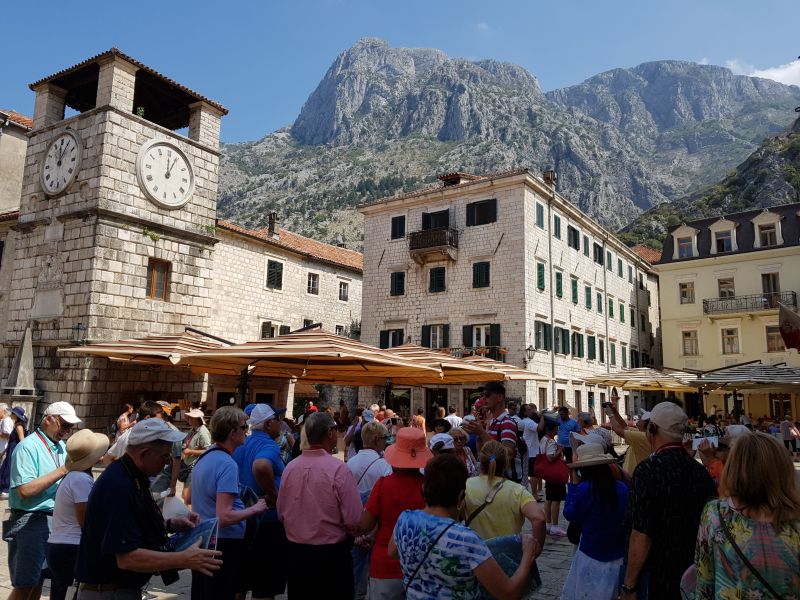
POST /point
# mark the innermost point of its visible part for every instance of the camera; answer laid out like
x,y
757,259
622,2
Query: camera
x,y
607,405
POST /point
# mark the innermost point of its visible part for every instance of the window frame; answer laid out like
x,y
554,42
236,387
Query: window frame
x,y
481,274
686,292
473,210
153,269
690,335
737,348
773,335
395,234
346,289
437,275
540,215
312,283
556,226
278,263
394,278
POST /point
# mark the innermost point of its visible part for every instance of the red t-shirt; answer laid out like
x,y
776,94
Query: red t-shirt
x,y
391,495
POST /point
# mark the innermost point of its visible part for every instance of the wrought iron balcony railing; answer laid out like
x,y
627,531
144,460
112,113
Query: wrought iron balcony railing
x,y
493,352
751,303
433,238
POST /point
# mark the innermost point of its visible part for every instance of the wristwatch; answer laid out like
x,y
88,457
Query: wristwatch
x,y
628,589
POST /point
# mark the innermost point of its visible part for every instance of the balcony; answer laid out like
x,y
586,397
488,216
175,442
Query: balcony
x,y
433,244
493,352
748,304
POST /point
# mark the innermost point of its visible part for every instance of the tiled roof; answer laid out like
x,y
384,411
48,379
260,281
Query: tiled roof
x,y
17,118
349,259
116,52
647,253
11,215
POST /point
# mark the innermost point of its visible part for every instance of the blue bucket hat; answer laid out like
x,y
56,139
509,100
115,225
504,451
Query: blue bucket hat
x,y
20,413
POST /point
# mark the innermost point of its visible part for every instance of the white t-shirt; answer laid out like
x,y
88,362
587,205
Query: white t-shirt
x,y
454,420
367,467
530,434
73,489
548,446
6,427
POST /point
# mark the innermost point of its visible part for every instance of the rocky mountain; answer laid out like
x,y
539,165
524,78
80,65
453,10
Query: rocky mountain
x,y
769,177
385,120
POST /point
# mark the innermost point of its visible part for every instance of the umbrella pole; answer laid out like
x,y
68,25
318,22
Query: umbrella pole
x,y
244,384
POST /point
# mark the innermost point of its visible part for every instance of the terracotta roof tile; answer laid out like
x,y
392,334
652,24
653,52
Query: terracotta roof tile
x,y
647,253
349,259
18,118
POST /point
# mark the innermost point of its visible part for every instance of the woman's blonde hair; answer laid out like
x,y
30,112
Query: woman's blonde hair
x,y
493,459
759,473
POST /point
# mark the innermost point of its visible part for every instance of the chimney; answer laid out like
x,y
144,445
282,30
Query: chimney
x,y
273,224
550,178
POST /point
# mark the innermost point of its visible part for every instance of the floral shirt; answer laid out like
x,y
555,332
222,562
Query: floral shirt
x,y
721,574
447,572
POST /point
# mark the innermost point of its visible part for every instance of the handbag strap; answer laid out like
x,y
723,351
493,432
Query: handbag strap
x,y
746,562
486,502
367,470
425,556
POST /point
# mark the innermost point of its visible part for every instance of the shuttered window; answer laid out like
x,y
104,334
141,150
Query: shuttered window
x,y
587,291
398,227
539,216
397,283
480,275
540,275
543,335
559,284
574,286
557,227
436,280
481,213
274,275
592,348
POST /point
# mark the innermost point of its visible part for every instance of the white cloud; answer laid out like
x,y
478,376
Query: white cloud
x,y
788,74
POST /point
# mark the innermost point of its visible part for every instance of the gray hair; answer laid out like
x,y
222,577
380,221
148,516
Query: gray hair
x,y
372,430
585,417
225,421
317,426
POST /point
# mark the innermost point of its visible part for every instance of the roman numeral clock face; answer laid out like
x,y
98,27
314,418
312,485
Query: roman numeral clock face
x,y
61,164
165,174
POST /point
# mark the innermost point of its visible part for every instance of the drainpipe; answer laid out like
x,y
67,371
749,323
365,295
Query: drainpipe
x,y
550,178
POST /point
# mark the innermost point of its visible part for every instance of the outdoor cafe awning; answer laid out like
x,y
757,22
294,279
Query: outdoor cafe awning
x,y
647,379
510,372
313,356
750,376
454,370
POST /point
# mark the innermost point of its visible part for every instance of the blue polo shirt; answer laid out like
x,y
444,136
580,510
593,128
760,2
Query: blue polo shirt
x,y
215,472
33,457
259,445
564,428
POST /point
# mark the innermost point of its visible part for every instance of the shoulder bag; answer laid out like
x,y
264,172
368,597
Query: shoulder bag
x,y
746,562
490,495
427,553
556,472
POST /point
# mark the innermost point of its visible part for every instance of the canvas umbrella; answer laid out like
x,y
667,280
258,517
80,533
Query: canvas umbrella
x,y
510,372
752,375
454,370
646,379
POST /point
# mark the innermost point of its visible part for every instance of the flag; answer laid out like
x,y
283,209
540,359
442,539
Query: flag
x,y
789,324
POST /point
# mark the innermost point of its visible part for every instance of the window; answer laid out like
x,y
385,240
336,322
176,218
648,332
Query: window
x,y
158,279
313,284
436,336
482,336
344,291
540,275
619,268
634,358
397,283
641,281
274,275
559,284
480,275
630,274
267,330
560,340
436,280
689,342
730,340
574,288
768,235
610,308
612,353
586,245
542,396
643,322
389,338
684,247
308,322
774,339
601,351
436,220
633,318
621,312
557,227
284,329
771,284
340,330
686,292
539,216
623,353
577,344
578,404
726,287
543,335
598,254
398,227
600,303
723,240
609,261
591,342
481,213
587,291
573,237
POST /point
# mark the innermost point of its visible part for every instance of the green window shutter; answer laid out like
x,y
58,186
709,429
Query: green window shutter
x,y
592,348
537,335
621,312
445,336
574,284
586,245
557,340
384,339
559,284
540,275
565,340
494,335
580,341
557,227
548,336
624,356
613,353
600,303
467,336
602,350
610,308
426,336
588,296
539,215
633,318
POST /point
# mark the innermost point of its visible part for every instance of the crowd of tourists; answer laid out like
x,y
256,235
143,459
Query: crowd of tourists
x,y
413,512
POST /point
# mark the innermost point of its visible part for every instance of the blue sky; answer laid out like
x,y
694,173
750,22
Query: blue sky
x,y
263,58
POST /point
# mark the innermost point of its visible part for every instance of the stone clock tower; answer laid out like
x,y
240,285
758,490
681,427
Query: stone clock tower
x,y
116,226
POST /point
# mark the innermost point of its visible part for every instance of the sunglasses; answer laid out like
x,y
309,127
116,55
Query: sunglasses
x,y
64,425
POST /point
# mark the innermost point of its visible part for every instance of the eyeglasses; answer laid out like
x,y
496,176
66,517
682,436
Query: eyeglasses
x,y
239,427
460,440
64,426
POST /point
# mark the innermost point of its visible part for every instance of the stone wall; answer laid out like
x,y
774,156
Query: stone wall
x,y
13,142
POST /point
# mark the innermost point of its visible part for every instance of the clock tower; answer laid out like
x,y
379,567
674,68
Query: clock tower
x,y
116,226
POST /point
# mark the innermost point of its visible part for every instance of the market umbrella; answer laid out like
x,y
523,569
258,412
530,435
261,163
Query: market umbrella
x,y
647,379
751,376
510,372
313,356
454,370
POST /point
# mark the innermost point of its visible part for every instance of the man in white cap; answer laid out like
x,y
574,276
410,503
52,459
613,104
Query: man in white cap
x,y
665,503
125,534
37,466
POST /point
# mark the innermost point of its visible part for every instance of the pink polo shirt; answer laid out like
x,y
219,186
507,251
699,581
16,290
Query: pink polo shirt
x,y
318,500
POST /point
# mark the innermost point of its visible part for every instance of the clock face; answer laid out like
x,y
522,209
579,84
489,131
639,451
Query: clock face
x,y
165,174
62,161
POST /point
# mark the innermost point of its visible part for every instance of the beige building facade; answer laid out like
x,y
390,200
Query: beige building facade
x,y
505,267
721,280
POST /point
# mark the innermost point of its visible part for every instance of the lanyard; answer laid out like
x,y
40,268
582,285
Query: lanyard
x,y
46,445
665,447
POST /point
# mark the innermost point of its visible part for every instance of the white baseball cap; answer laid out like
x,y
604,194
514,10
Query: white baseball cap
x,y
445,438
150,430
262,413
64,410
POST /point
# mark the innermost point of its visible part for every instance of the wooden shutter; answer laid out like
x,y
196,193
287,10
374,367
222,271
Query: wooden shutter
x,y
426,336
491,210
494,335
284,329
471,214
266,330
467,336
384,339
540,275
426,221
565,340
548,336
559,285
445,336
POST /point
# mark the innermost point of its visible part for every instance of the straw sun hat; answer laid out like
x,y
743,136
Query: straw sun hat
x,y
84,449
409,450
588,455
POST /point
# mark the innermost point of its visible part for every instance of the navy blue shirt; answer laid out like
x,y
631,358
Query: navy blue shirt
x,y
259,445
602,527
121,517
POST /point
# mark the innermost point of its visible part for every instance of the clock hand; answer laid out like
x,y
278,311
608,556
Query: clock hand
x,y
169,168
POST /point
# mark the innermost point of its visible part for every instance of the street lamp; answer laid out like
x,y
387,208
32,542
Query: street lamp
x,y
530,352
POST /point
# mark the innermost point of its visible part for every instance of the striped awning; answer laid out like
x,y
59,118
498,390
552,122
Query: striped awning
x,y
510,372
751,375
151,350
313,356
647,379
